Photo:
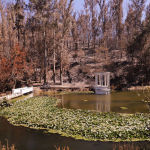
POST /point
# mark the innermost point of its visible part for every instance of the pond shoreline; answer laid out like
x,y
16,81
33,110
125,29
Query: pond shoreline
x,y
76,137
90,130
70,88
49,140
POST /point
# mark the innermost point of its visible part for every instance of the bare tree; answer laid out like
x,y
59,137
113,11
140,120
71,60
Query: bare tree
x,y
147,13
87,22
117,14
103,23
92,6
65,12
133,23
3,25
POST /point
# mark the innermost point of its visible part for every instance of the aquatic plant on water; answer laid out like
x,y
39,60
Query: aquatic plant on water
x,y
42,113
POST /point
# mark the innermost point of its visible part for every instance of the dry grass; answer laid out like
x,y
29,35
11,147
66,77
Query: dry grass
x,y
117,146
63,148
3,147
125,146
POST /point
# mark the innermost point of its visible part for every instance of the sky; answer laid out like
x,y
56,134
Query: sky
x,y
78,4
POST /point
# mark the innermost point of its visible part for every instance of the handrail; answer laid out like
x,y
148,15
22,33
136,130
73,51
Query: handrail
x,y
18,92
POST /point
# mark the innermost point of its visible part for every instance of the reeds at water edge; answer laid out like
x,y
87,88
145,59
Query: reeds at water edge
x,y
3,147
125,146
63,148
116,146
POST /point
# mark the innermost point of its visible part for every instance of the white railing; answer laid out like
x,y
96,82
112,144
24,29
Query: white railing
x,y
26,90
18,92
22,90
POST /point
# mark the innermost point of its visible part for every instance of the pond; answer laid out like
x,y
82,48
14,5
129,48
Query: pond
x,y
30,139
122,102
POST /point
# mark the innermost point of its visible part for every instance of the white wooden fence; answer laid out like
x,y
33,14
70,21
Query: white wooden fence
x,y
22,90
18,92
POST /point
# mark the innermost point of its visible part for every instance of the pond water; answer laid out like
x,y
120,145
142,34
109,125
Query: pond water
x,y
122,102
30,139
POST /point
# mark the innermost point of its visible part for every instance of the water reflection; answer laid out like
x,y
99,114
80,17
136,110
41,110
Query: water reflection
x,y
113,102
86,101
103,104
123,102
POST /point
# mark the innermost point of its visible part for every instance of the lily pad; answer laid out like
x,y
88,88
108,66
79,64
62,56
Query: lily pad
x,y
85,100
123,108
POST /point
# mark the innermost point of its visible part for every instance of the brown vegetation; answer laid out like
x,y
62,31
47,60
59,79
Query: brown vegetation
x,y
68,47
125,146
63,148
13,67
116,146
3,147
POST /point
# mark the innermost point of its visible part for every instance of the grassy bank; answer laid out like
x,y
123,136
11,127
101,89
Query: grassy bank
x,y
64,92
42,113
